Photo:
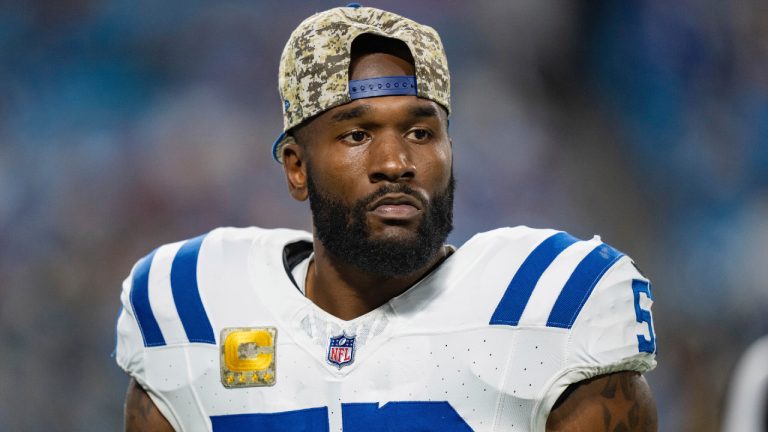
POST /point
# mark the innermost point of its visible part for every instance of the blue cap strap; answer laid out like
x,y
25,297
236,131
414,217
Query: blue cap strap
x,y
382,86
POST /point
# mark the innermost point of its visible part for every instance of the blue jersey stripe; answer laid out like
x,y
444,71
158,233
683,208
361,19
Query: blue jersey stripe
x,y
520,288
186,294
150,330
306,420
580,285
406,415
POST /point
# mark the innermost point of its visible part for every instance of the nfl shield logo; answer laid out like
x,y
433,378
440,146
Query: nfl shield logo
x,y
341,350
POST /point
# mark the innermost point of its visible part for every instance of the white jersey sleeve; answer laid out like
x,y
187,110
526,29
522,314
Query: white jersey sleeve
x,y
138,331
574,309
176,301
611,329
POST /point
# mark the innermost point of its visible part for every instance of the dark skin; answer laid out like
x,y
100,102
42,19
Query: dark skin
x,y
619,402
353,150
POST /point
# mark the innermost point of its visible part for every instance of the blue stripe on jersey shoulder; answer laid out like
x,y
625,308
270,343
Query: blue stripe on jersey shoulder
x,y
186,294
310,419
580,285
520,288
150,330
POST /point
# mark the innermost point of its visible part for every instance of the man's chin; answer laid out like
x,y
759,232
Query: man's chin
x,y
393,252
394,246
393,234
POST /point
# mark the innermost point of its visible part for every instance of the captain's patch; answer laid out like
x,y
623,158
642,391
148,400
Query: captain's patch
x,y
341,350
248,356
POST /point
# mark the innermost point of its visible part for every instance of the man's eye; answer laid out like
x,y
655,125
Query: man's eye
x,y
418,134
355,137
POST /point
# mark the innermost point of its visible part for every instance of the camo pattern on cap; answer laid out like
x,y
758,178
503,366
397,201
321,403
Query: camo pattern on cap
x,y
314,67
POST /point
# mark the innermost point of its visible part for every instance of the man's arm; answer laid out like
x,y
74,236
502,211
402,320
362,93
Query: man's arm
x,y
615,402
141,414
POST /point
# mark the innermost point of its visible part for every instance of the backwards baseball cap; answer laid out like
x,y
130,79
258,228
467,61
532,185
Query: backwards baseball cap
x,y
314,67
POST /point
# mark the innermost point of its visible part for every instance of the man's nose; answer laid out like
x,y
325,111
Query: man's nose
x,y
390,159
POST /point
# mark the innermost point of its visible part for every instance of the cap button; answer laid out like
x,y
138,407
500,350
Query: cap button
x,y
354,5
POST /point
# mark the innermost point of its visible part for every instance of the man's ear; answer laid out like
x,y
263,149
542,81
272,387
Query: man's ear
x,y
295,167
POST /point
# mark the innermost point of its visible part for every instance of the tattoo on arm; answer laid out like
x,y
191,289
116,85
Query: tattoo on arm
x,y
619,402
621,411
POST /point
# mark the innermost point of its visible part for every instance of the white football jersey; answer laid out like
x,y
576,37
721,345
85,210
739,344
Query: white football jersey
x,y
217,332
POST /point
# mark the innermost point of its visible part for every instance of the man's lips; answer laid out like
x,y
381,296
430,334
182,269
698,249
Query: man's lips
x,y
396,206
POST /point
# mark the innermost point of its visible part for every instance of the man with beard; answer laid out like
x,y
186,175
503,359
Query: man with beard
x,y
372,322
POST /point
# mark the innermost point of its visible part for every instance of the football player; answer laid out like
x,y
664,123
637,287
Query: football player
x,y
371,322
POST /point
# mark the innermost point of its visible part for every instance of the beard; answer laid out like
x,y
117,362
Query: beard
x,y
345,233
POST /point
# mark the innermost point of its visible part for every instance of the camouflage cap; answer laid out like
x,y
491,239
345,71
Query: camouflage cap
x,y
314,67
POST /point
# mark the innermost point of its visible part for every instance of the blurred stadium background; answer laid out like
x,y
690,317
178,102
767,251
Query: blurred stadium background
x,y
127,124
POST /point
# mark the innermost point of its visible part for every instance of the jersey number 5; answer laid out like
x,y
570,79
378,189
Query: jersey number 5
x,y
644,316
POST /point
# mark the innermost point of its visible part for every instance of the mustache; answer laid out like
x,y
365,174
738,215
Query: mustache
x,y
391,188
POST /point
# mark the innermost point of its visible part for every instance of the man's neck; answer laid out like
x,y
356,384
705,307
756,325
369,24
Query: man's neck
x,y
347,292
